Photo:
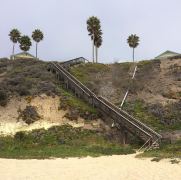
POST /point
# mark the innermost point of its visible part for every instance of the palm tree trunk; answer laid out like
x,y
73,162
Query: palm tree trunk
x,y
13,50
96,55
93,50
36,50
133,54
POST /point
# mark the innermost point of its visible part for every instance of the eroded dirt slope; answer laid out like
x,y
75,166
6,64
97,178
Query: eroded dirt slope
x,y
155,93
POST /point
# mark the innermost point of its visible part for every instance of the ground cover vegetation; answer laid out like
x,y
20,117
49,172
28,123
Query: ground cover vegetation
x,y
165,151
59,141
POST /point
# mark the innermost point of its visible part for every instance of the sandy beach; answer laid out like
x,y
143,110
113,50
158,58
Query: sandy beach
x,y
123,167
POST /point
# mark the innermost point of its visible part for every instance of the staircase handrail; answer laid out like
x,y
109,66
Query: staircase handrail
x,y
76,80
70,79
106,104
132,118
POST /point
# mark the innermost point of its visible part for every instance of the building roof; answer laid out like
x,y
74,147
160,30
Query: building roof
x,y
167,54
23,55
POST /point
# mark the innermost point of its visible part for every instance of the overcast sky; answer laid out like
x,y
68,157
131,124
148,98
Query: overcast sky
x,y
156,22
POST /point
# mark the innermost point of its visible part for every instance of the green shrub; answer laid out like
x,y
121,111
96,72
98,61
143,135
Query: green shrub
x,y
3,65
169,115
29,115
28,78
157,116
174,161
86,72
76,106
3,98
165,151
156,159
23,91
20,136
139,110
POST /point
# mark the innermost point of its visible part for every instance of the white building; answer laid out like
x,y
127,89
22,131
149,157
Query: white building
x,y
167,54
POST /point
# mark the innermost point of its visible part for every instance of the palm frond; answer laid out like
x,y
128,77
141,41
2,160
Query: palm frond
x,y
14,35
37,35
25,43
133,40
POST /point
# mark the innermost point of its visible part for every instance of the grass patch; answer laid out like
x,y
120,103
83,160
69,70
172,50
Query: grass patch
x,y
76,106
144,63
138,110
165,151
124,66
69,100
148,63
59,141
87,72
156,116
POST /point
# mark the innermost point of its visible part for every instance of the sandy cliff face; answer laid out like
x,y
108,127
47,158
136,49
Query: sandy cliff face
x,y
164,85
48,109
155,81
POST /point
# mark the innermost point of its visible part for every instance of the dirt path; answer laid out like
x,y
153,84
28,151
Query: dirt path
x,y
124,167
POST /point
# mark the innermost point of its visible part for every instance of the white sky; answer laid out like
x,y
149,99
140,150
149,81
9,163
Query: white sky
x,y
156,22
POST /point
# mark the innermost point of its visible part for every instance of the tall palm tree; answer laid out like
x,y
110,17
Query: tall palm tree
x,y
93,25
98,43
133,41
37,36
14,37
25,43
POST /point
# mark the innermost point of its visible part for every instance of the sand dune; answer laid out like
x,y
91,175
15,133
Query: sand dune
x,y
123,167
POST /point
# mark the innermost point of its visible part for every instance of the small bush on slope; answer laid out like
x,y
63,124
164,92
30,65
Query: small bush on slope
x,y
29,115
3,98
156,116
90,74
165,151
76,107
27,77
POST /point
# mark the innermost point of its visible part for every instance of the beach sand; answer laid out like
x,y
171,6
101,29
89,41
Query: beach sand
x,y
117,167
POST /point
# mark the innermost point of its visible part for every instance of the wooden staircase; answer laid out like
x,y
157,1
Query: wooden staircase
x,y
120,118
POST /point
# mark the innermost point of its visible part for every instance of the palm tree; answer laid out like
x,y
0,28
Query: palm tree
x,y
93,25
37,36
25,43
133,41
98,43
14,37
